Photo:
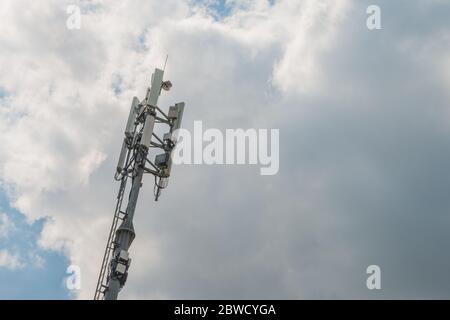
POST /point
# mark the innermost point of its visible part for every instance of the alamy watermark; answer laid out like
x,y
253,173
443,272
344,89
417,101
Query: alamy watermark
x,y
73,281
374,19
374,279
73,21
234,146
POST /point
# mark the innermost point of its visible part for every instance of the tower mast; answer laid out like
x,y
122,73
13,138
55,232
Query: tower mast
x,y
132,165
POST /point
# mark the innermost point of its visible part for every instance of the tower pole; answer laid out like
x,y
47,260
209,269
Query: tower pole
x,y
132,165
125,235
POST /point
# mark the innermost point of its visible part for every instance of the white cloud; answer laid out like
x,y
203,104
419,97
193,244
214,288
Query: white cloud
x,y
217,232
310,33
37,260
10,261
6,225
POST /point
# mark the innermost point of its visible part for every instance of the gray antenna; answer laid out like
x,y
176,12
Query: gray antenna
x,y
165,63
132,164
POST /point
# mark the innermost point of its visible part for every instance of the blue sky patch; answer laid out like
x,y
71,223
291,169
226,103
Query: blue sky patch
x,y
42,273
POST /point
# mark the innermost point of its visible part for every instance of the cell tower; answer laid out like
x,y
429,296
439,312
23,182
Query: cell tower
x,y
133,163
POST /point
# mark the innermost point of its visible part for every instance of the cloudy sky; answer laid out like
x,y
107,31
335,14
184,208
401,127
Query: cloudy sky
x,y
364,124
